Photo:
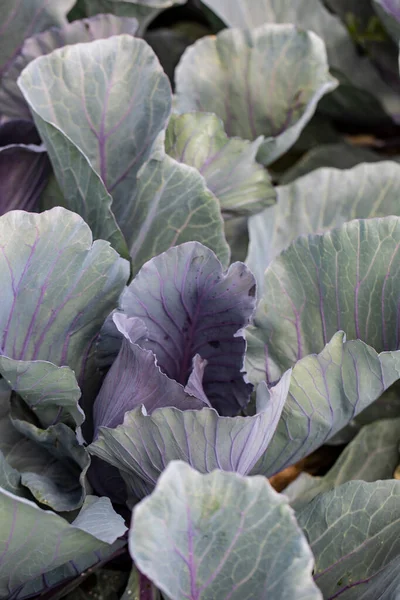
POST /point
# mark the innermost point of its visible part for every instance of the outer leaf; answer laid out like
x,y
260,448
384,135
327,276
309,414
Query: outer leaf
x,y
326,392
35,542
135,380
229,166
171,205
319,202
143,446
22,18
228,75
190,306
52,464
51,392
343,54
111,119
57,288
372,455
345,279
354,535
12,102
223,539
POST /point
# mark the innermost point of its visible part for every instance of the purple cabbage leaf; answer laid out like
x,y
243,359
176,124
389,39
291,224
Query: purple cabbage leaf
x,y
220,535
346,279
44,549
12,102
57,289
242,186
319,202
353,532
227,75
191,307
101,144
21,19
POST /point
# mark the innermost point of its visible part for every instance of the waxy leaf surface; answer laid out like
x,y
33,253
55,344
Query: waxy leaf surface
x,y
57,288
353,532
319,202
39,548
12,102
144,444
229,166
228,75
346,279
326,392
201,537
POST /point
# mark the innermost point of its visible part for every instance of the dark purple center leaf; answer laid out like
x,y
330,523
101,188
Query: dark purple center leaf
x,y
135,379
191,307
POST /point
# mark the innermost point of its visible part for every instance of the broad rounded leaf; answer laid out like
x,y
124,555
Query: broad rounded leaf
x,y
326,392
343,53
57,288
201,537
347,279
171,205
35,543
112,117
143,446
12,102
190,306
372,455
22,18
353,532
319,202
228,75
229,166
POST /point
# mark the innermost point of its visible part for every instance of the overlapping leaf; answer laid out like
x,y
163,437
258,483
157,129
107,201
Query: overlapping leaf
x,y
348,102
372,455
108,120
23,18
135,380
353,532
143,446
319,202
201,537
229,166
171,205
228,75
346,279
40,549
326,392
57,288
12,102
190,306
